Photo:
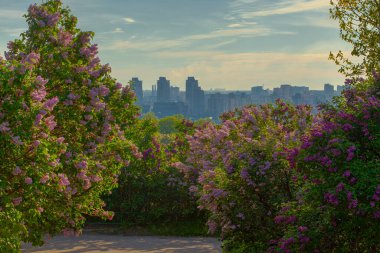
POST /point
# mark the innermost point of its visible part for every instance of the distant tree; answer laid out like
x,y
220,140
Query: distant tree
x,y
202,121
168,124
359,22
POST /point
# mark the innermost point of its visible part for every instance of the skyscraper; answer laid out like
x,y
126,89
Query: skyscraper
x,y
136,85
329,89
174,93
163,90
195,98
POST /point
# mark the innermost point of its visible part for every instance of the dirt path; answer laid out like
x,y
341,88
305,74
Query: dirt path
x,y
96,243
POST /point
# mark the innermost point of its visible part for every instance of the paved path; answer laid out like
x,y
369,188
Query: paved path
x,y
99,243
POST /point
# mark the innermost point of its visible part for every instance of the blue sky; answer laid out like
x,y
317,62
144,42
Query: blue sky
x,y
231,44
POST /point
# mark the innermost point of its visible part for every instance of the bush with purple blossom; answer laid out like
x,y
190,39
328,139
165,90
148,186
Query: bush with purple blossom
x,y
340,162
240,173
62,141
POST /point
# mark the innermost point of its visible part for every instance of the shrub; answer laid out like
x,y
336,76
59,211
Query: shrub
x,y
62,119
339,207
240,172
151,191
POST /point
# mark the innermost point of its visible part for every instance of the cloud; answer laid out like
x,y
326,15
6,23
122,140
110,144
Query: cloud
x,y
129,20
244,32
217,69
159,44
324,22
115,31
234,25
218,45
242,70
241,3
143,45
288,7
241,24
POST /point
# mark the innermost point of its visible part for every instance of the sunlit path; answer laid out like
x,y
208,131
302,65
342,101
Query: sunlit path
x,y
94,243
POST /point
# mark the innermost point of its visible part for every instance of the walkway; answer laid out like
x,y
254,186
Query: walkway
x,y
101,243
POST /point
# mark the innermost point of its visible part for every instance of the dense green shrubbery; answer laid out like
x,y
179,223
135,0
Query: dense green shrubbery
x,y
151,190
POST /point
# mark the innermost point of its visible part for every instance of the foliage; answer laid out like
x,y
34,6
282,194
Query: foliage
x,y
338,209
62,119
151,191
240,172
359,23
168,125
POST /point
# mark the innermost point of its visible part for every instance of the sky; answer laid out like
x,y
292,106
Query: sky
x,y
228,44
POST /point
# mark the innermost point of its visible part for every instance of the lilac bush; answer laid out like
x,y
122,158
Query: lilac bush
x,y
62,124
240,173
339,205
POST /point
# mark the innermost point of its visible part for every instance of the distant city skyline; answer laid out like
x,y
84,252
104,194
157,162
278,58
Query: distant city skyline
x,y
195,103
182,84
230,44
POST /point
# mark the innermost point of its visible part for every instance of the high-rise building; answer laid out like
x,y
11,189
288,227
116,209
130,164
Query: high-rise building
x,y
329,89
174,93
217,104
259,95
154,92
195,98
257,90
136,85
163,90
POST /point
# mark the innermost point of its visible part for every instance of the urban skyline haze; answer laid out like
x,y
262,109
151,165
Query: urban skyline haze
x,y
230,44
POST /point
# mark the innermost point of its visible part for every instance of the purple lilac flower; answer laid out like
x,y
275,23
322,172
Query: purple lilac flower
x,y
28,180
17,171
81,165
17,201
32,58
63,180
339,187
44,179
53,19
50,122
4,127
347,173
302,229
347,127
17,140
38,95
331,199
353,204
51,103
212,226
40,82
65,38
